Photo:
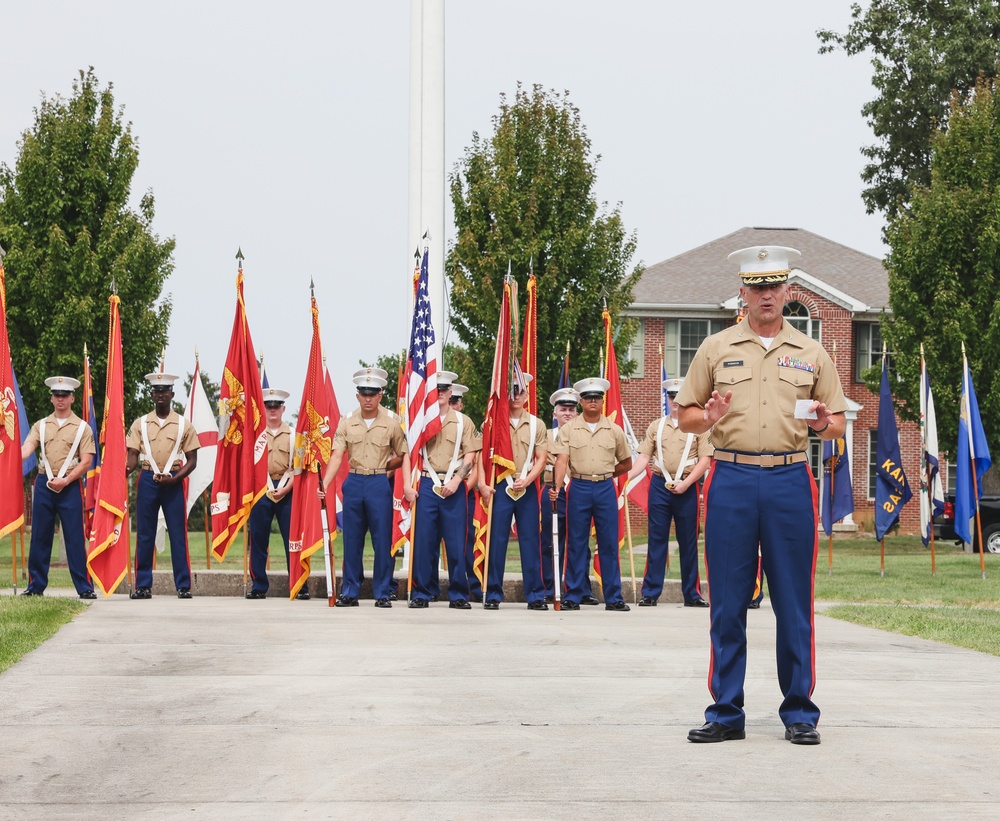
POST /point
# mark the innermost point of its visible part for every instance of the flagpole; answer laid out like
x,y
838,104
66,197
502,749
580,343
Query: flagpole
x,y
829,546
13,559
246,558
926,463
208,535
628,537
410,547
24,569
489,533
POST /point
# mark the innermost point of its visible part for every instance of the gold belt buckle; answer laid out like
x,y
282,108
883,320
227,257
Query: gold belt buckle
x,y
439,490
514,494
767,460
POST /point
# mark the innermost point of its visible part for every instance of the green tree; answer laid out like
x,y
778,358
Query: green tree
x,y
70,232
921,50
525,196
944,265
212,391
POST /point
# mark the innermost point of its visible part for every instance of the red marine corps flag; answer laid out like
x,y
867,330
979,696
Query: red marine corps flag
x,y
108,557
313,446
11,477
241,464
497,447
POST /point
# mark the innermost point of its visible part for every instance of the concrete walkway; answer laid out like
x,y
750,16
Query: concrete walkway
x,y
220,708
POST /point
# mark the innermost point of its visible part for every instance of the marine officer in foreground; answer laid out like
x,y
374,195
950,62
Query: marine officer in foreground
x,y
765,388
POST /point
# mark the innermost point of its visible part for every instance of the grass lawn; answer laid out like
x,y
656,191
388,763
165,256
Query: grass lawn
x,y
26,622
956,605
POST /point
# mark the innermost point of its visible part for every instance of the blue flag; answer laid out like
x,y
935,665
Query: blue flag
x,y
29,464
892,491
838,495
263,375
972,450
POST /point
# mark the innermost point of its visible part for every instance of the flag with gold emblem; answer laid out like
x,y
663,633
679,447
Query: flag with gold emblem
x,y
240,477
11,477
313,445
108,554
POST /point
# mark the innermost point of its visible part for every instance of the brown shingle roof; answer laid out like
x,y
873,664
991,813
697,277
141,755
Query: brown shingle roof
x,y
703,276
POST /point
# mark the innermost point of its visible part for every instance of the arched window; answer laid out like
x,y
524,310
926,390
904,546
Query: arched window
x,y
798,317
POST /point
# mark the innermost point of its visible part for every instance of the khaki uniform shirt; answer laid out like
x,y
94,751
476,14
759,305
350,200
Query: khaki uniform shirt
x,y
523,449
765,385
161,439
278,454
442,447
599,451
370,448
58,441
672,446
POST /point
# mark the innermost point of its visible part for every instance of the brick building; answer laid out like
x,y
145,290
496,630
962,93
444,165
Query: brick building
x,y
836,295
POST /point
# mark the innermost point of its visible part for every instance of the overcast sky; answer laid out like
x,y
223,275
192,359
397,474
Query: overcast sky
x,y
282,129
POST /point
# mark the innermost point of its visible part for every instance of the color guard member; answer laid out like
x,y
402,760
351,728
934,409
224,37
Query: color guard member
x,y
276,503
67,447
374,443
679,461
593,451
165,448
457,403
516,497
441,513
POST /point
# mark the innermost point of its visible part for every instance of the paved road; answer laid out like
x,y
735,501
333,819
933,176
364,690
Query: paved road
x,y
220,708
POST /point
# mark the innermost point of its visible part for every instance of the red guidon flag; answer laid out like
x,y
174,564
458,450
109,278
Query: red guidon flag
x,y
313,445
616,414
240,477
497,446
11,476
107,559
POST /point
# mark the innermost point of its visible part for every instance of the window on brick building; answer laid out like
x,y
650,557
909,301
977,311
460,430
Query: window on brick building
x,y
872,461
682,338
637,351
798,317
867,347
952,473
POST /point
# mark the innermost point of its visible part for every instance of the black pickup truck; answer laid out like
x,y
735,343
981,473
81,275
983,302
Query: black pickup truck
x,y
989,515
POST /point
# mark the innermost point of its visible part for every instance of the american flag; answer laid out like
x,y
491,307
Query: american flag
x,y
423,418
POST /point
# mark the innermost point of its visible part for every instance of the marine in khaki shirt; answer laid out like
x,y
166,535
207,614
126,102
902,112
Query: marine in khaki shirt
x,y
67,450
155,444
374,444
761,387
590,452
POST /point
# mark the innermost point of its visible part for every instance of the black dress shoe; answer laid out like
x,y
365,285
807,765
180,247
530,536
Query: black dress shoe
x,y
383,603
754,605
460,604
418,604
618,606
714,731
491,605
31,593
435,598
257,594
537,605
647,601
88,594
393,596
476,598
347,601
302,595
569,605
696,603
141,593
184,593
801,734
549,599
592,600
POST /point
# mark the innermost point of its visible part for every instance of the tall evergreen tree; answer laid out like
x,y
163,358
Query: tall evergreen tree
x,y
921,50
70,231
525,195
944,268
